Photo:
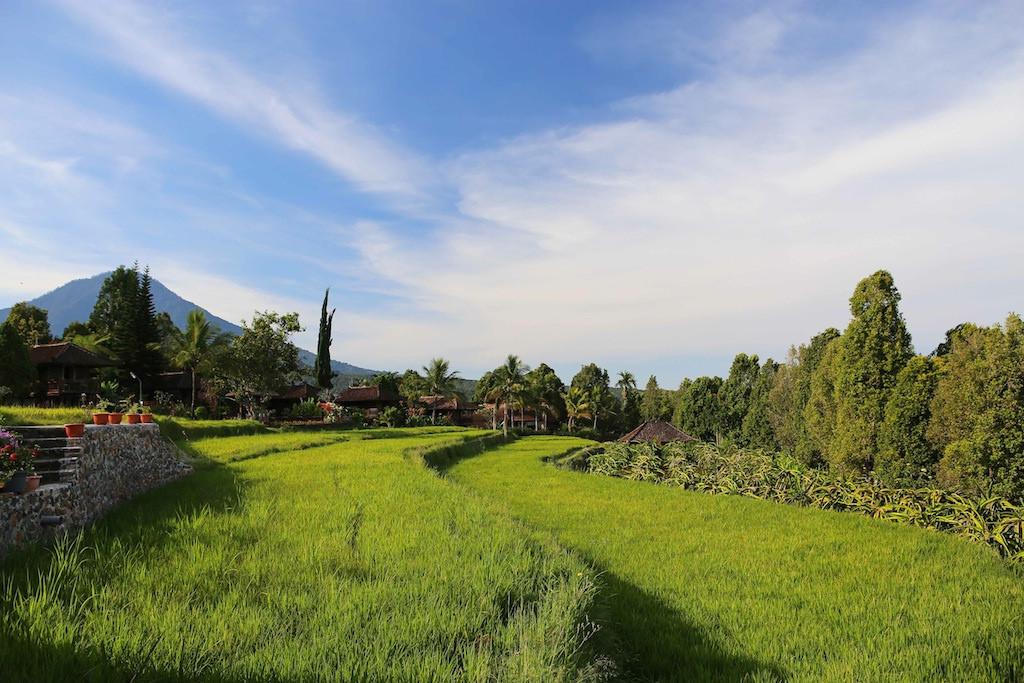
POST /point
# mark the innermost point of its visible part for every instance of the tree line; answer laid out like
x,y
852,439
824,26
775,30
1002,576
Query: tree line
x,y
124,326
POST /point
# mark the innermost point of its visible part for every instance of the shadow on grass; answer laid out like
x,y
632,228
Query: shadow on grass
x,y
143,524
651,641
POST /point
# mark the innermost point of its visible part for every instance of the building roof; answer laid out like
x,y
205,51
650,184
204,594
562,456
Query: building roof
x,y
660,432
367,395
66,353
303,390
447,403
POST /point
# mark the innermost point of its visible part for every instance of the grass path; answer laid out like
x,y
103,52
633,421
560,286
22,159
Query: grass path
x,y
722,587
340,562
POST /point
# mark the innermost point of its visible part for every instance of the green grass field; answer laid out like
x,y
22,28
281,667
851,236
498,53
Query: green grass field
x,y
340,562
700,587
336,555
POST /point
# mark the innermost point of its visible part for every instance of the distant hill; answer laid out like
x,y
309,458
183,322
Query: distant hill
x,y
74,301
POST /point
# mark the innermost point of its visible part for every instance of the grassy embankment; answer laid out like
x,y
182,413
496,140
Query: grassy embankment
x,y
22,415
721,587
340,562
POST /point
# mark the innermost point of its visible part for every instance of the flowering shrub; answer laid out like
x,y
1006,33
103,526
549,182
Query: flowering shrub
x,y
14,456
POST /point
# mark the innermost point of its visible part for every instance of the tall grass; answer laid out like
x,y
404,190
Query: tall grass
x,y
23,415
704,587
339,562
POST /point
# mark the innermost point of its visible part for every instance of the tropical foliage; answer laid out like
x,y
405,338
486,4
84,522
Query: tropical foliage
x,y
704,467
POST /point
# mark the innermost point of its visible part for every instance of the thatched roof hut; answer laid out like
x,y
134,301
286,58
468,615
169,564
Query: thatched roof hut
x,y
660,432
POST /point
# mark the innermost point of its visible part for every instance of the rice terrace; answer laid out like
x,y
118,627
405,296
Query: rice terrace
x,y
471,342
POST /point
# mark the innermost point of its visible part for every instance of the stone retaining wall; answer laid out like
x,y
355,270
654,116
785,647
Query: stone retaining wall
x,y
117,463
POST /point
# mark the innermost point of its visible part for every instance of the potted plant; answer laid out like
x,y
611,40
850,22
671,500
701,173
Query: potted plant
x,y
132,413
115,418
101,414
16,463
146,415
74,430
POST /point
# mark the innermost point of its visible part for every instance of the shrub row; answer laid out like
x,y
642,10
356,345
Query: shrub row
x,y
704,467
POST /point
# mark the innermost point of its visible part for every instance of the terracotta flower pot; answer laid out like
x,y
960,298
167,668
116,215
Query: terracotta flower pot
x,y
100,418
133,419
32,482
74,431
115,418
146,418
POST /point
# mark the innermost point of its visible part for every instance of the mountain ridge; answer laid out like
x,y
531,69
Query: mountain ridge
x,y
74,301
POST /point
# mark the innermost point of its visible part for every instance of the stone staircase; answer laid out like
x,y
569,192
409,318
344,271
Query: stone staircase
x,y
58,455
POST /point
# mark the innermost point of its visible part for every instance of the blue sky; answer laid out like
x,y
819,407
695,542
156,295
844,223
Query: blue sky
x,y
651,186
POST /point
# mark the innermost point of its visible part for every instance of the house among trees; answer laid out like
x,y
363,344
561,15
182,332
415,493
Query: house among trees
x,y
371,399
457,411
659,432
66,371
289,397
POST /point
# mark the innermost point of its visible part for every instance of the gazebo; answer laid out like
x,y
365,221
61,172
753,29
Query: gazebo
x,y
659,432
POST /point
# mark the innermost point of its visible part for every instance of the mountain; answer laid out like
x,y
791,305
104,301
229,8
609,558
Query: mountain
x,y
74,301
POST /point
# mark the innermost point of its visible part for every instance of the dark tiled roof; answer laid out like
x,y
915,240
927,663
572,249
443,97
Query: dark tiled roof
x,y
303,390
656,431
446,403
66,353
367,395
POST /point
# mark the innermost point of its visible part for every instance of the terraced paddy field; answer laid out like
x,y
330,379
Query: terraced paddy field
x,y
309,556
700,587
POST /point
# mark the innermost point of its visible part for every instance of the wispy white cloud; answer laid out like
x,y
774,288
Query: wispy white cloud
x,y
746,225
158,46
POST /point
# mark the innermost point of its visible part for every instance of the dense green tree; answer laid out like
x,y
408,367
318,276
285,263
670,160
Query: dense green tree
x,y
735,394
594,380
978,411
439,380
196,349
165,327
263,359
76,329
791,393
324,374
655,404
946,345
411,387
387,381
874,348
699,411
125,313
31,323
546,389
756,430
820,413
905,457
17,373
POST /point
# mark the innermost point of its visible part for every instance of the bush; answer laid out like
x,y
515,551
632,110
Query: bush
x,y
307,410
202,413
710,469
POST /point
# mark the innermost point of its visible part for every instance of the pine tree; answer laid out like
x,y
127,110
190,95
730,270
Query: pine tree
x,y
324,374
874,349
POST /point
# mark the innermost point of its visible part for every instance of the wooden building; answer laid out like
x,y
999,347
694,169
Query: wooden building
x,y
66,372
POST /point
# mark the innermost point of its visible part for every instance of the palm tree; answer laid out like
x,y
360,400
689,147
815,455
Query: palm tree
x,y
626,382
508,384
439,381
577,405
196,348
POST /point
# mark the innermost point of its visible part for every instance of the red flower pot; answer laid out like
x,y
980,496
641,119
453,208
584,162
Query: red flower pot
x,y
133,419
32,482
115,418
75,431
146,418
100,418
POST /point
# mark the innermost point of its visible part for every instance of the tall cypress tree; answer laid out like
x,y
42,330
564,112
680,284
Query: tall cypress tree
x,y
324,374
874,348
